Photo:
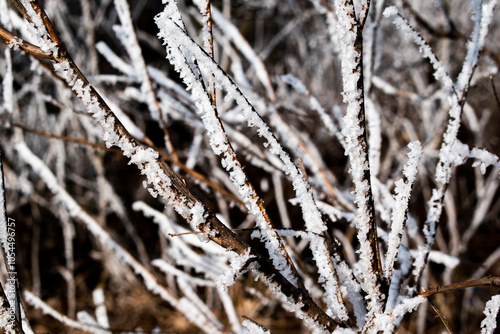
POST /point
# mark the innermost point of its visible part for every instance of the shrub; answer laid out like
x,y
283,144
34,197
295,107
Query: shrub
x,y
310,166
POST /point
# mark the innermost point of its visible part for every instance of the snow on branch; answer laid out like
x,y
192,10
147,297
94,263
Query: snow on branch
x,y
126,34
354,198
482,14
399,212
235,270
354,131
489,323
387,322
461,152
177,41
443,167
73,324
315,105
103,237
181,59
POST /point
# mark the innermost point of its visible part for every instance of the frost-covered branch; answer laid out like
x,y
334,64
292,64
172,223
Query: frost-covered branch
x,y
355,134
266,168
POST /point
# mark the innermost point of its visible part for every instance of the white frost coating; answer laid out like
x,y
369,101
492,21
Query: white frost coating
x,y
174,36
46,309
8,78
301,187
420,259
205,315
433,214
228,305
38,31
15,43
351,288
443,170
482,15
126,34
386,322
250,327
446,155
8,84
115,60
101,313
353,97
460,152
374,137
169,269
399,211
364,6
235,270
246,50
473,46
434,256
288,303
220,144
484,159
315,105
334,213
146,159
105,239
489,323
445,259
403,25
206,36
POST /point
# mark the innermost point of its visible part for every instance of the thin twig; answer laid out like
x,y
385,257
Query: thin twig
x,y
440,315
10,266
495,93
165,157
12,41
485,281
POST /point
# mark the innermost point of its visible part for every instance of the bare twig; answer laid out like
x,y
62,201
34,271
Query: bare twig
x,y
14,42
485,281
495,93
440,315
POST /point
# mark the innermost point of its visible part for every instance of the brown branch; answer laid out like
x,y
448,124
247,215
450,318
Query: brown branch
x,y
440,315
49,26
376,261
232,153
20,8
495,93
485,281
482,282
64,138
198,232
12,41
188,170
